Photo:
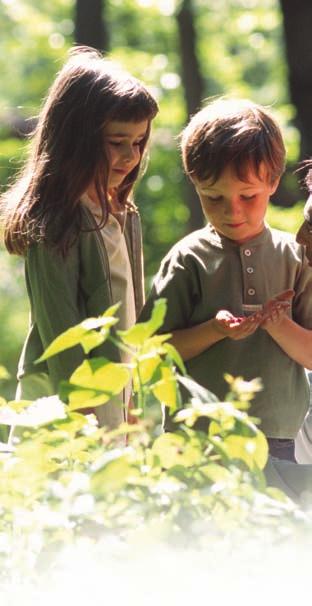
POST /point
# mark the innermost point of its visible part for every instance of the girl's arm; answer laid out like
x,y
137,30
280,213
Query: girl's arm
x,y
293,339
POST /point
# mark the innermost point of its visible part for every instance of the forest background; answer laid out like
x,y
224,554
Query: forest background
x,y
185,51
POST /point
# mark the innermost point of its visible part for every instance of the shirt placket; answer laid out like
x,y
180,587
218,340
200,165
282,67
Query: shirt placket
x,y
250,296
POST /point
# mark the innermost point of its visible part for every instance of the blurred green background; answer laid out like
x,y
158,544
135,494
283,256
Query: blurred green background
x,y
185,51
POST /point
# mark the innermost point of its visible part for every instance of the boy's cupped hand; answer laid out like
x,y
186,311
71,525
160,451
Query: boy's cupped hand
x,y
239,327
275,309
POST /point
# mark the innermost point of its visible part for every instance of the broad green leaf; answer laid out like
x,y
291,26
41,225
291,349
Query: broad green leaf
x,y
74,423
139,333
83,334
80,398
215,472
4,374
252,450
166,390
112,477
225,425
155,343
93,339
75,448
101,374
173,449
95,382
175,356
146,367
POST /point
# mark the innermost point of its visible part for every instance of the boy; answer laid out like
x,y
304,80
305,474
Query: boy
x,y
213,278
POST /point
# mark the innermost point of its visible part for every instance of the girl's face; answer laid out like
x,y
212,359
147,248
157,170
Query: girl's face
x,y
123,147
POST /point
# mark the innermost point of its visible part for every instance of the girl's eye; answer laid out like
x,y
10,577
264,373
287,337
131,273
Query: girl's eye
x,y
119,143
214,198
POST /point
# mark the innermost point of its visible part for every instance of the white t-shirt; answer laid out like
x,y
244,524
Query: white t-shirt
x,y
120,274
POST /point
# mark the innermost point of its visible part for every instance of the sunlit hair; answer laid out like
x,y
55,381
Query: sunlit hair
x,y
68,152
236,133
308,177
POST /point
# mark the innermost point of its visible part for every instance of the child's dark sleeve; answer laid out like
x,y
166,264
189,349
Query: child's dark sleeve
x,y
176,282
52,283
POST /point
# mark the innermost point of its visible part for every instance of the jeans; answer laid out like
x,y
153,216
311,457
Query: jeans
x,y
282,448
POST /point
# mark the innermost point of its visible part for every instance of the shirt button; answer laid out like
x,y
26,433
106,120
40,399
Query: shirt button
x,y
251,291
247,252
250,270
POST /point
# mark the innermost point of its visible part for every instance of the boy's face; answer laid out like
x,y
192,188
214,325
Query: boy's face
x,y
236,208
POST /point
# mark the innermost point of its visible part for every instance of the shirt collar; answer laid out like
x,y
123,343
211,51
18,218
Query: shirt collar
x,y
225,243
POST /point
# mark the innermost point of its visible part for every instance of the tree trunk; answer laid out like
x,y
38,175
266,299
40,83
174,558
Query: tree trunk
x,y
90,25
194,89
297,17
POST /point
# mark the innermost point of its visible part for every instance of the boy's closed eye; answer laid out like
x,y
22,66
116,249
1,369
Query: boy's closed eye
x,y
244,197
248,197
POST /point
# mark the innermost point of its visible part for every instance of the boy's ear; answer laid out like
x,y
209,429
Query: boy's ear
x,y
275,185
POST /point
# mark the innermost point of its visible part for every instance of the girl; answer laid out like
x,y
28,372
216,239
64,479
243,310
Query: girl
x,y
71,215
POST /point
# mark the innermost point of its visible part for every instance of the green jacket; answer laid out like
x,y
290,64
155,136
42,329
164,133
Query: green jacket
x,y
64,291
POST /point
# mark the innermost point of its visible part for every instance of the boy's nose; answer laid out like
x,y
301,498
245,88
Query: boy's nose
x,y
232,207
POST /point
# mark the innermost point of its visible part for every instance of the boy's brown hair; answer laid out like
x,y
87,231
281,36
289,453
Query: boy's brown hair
x,y
227,132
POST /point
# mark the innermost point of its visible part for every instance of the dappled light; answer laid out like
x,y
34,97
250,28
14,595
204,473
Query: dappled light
x,y
176,515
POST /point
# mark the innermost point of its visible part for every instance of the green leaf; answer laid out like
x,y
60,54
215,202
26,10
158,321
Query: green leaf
x,y
215,472
145,369
85,334
139,333
4,374
95,381
166,390
173,449
113,475
80,398
252,450
175,356
101,374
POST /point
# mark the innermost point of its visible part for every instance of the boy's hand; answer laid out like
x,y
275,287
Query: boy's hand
x,y
239,327
236,327
275,309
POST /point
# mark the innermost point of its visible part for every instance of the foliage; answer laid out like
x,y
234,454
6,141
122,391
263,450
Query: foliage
x,y
11,157
245,60
286,219
64,478
14,310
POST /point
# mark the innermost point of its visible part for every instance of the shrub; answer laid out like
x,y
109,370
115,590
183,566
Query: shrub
x,y
65,478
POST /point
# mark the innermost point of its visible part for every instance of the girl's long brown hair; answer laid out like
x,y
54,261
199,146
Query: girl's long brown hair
x,y
68,151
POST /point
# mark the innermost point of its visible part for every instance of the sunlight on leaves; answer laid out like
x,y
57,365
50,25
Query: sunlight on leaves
x,y
85,334
139,333
32,414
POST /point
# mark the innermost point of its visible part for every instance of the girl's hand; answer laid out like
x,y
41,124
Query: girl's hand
x,y
236,327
